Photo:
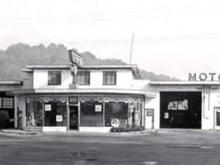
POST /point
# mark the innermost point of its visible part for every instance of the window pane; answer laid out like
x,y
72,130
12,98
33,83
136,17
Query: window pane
x,y
1,106
34,113
83,77
178,105
109,77
117,110
91,114
54,77
8,103
217,118
55,114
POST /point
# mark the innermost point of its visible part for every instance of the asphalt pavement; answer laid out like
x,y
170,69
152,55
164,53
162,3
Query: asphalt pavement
x,y
163,147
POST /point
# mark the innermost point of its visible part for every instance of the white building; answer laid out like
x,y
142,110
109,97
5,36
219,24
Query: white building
x,y
103,95
95,98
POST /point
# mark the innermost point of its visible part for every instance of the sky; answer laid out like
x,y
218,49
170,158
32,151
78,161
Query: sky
x,y
172,37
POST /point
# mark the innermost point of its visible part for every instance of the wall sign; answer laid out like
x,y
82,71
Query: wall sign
x,y
47,107
166,115
149,113
204,76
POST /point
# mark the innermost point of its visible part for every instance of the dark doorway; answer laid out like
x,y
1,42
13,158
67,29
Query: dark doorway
x,y
180,110
6,110
73,122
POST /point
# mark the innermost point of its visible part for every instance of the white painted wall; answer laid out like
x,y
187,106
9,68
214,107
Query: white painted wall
x,y
211,101
124,80
41,79
154,103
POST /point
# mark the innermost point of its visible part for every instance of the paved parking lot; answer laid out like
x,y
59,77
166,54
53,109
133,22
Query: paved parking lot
x,y
167,147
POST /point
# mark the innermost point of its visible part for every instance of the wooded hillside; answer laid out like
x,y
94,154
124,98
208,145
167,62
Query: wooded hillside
x,y
16,57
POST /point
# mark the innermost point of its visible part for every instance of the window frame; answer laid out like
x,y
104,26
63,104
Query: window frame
x,y
106,82
49,83
84,74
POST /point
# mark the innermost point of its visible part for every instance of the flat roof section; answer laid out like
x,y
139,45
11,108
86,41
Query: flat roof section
x,y
10,82
83,67
188,83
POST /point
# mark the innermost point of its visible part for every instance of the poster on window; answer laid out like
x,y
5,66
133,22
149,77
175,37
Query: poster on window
x,y
59,118
47,107
98,108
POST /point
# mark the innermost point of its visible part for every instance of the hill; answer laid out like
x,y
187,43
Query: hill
x,y
16,57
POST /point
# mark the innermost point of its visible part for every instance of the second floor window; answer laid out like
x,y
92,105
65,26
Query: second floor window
x,y
54,77
109,77
83,77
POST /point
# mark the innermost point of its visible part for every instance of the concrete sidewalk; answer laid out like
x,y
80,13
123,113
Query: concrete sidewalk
x,y
18,132
70,133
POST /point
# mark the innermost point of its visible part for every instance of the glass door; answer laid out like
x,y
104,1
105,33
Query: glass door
x,y
73,121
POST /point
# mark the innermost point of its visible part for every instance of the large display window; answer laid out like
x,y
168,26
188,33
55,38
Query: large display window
x,y
115,110
55,114
91,114
34,113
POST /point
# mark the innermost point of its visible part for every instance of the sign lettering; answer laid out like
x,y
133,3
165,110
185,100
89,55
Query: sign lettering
x,y
204,76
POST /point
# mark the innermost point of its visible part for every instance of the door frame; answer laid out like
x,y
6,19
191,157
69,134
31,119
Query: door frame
x,y
216,109
78,116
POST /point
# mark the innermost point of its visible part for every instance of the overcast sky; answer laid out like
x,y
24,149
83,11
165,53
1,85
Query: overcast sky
x,y
172,37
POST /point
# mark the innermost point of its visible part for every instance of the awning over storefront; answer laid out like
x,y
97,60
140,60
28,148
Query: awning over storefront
x,y
94,91
84,91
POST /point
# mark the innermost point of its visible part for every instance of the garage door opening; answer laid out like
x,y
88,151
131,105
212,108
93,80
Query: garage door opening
x,y
180,110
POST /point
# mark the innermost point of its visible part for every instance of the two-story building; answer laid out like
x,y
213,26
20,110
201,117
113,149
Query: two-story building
x,y
104,95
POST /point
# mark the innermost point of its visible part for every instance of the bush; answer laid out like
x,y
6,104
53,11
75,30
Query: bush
x,y
127,129
4,119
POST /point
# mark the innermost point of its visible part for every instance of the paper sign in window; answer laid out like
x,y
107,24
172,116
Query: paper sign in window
x,y
59,118
98,108
47,107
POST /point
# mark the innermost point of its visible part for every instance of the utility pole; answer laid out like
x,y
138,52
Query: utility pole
x,y
131,48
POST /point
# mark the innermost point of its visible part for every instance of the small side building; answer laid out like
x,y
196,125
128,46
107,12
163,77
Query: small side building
x,y
8,115
184,104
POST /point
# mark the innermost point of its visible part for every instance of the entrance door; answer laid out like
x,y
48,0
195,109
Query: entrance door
x,y
217,118
73,122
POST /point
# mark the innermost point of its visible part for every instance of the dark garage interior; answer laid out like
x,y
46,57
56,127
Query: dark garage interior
x,y
180,110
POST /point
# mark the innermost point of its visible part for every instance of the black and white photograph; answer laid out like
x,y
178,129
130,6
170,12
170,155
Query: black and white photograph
x,y
109,82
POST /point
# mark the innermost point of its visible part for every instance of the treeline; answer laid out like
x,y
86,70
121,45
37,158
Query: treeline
x,y
16,57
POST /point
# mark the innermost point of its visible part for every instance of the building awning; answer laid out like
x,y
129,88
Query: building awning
x,y
84,91
10,82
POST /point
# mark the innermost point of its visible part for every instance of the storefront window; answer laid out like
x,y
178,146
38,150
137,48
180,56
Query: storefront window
x,y
91,114
1,105
118,110
34,112
55,114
